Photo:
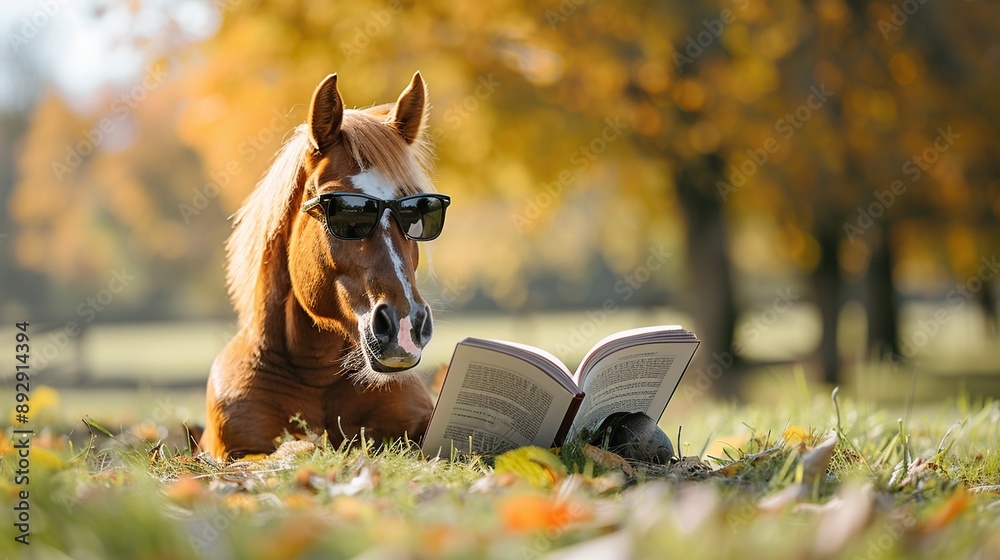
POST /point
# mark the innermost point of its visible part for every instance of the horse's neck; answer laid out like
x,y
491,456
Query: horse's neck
x,y
311,349
285,333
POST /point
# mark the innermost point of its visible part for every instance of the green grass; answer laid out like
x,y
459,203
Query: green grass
x,y
916,483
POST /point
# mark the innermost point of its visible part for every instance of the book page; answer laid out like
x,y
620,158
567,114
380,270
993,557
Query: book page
x,y
498,400
639,378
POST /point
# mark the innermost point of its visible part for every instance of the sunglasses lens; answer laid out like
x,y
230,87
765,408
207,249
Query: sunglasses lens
x,y
352,217
422,217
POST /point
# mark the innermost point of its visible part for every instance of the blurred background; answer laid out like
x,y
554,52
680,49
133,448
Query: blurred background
x,y
813,187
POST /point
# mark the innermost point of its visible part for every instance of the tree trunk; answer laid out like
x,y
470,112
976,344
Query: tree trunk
x,y
710,293
827,284
882,304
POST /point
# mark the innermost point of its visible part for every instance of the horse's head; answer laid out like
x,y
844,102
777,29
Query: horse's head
x,y
351,264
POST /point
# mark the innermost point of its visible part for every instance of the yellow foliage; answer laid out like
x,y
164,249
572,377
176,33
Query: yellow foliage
x,y
536,466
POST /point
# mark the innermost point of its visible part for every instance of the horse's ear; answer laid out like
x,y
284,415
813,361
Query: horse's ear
x,y
326,112
410,111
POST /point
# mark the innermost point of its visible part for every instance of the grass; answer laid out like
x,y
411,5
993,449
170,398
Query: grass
x,y
920,483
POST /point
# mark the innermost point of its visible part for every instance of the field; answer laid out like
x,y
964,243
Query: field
x,y
817,476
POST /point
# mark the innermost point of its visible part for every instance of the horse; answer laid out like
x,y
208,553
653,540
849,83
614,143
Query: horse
x,y
330,321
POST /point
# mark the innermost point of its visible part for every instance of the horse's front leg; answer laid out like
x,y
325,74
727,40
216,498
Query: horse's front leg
x,y
388,413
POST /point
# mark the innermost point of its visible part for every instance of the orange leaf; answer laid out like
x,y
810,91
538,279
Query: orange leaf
x,y
946,512
528,512
185,491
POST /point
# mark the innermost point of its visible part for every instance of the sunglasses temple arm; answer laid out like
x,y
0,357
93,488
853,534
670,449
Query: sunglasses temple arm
x,y
308,205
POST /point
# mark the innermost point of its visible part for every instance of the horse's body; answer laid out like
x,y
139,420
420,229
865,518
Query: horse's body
x,y
311,306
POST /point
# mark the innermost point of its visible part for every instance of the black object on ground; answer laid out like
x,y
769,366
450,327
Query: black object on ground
x,y
635,437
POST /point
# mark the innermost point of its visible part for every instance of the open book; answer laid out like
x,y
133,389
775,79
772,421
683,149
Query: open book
x,y
499,396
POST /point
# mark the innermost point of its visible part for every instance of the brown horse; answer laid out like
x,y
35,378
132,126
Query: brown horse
x,y
330,320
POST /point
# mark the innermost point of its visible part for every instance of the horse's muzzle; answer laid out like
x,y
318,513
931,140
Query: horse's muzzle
x,y
396,345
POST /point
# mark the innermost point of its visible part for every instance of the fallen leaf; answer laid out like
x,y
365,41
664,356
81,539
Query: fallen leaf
x,y
529,512
783,499
294,537
696,503
537,466
795,435
816,460
352,509
607,459
945,513
367,479
298,500
614,546
185,491
307,479
843,519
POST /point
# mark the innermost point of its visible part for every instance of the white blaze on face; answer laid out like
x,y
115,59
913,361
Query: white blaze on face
x,y
373,183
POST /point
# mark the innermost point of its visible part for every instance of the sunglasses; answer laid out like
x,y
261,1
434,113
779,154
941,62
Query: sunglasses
x,y
355,216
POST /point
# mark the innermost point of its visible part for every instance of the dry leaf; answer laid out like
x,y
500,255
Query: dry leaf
x,y
816,460
607,459
780,500
844,518
615,546
945,513
367,479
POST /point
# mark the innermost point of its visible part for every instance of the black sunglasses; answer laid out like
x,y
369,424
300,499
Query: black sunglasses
x,y
355,216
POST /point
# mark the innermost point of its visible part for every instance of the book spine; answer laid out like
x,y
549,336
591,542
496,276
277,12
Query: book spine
x,y
574,407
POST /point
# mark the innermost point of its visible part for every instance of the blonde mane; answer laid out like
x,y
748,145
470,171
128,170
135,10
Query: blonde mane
x,y
267,211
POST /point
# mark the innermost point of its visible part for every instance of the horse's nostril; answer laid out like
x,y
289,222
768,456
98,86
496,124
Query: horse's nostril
x,y
423,326
384,325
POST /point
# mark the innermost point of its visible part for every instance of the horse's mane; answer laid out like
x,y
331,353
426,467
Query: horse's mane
x,y
370,143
